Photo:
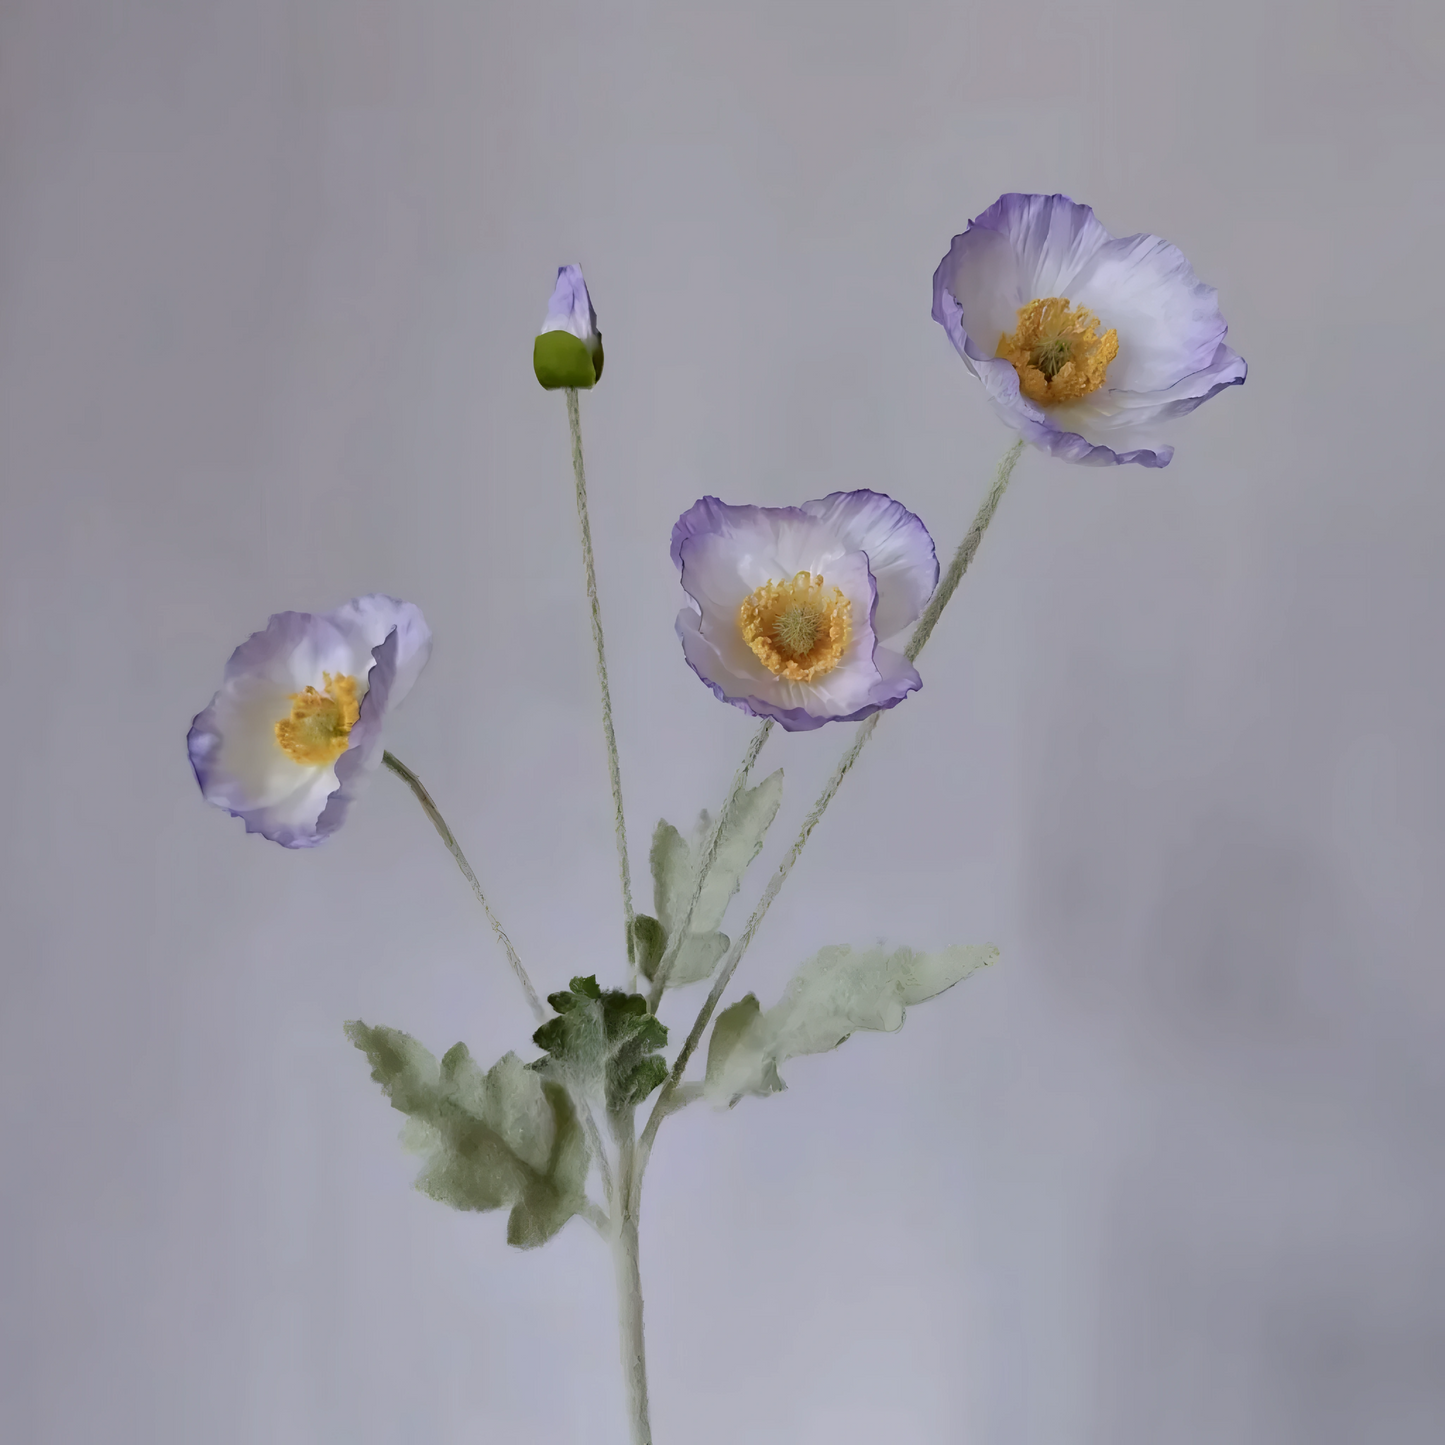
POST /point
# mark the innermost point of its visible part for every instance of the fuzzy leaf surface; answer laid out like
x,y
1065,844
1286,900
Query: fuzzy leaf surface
x,y
606,1041
648,941
837,992
675,862
489,1140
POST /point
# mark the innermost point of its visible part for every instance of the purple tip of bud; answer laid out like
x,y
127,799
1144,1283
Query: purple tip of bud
x,y
570,308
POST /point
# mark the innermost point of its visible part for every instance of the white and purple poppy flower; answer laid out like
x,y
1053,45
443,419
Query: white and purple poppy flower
x,y
296,728
1088,344
568,349
794,606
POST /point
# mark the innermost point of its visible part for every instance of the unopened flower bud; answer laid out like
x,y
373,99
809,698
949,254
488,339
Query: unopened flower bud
x,y
568,349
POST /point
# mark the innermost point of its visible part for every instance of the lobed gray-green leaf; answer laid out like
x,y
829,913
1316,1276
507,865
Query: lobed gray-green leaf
x,y
834,994
489,1140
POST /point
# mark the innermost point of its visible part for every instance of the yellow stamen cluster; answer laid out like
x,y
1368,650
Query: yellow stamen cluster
x,y
797,629
320,723
1057,351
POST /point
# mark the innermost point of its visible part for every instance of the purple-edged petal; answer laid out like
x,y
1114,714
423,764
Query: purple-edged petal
x,y
1042,426
760,530
1054,239
1171,355
232,744
975,295
876,552
901,555
370,619
356,765
896,678
1123,418
1168,320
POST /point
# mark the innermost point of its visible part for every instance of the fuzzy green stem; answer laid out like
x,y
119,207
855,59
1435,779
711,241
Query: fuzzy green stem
x,y
709,857
631,1337
609,737
943,593
929,620
664,1105
594,1137
454,848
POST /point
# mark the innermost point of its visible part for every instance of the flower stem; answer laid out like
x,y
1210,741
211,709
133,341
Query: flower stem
x,y
629,1282
594,1137
454,848
704,867
929,620
574,422
943,593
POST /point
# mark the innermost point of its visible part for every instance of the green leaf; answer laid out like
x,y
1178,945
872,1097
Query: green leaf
x,y
830,997
506,1137
605,1041
649,943
562,360
675,862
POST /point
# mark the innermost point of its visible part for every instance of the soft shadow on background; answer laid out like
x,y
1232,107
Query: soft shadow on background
x,y
1172,1173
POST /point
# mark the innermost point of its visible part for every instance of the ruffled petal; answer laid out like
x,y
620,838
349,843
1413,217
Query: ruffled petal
x,y
1168,320
769,542
793,705
355,767
712,575
367,622
1053,237
1127,418
1041,427
897,677
705,660
901,554
977,292
232,747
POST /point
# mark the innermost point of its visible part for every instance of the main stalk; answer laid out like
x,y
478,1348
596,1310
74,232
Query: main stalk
x,y
629,1281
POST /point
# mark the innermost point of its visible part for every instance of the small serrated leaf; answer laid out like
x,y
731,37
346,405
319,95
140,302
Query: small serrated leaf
x,y
605,1042
647,1076
830,997
488,1140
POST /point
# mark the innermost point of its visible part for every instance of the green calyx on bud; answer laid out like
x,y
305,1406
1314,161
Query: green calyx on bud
x,y
562,360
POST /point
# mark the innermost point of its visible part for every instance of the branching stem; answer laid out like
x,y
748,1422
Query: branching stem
x,y
926,623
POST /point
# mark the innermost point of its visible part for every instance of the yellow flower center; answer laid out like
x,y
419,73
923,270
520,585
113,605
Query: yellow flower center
x,y
797,629
1057,351
320,723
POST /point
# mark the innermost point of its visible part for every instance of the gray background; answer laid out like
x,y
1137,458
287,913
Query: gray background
x,y
269,275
